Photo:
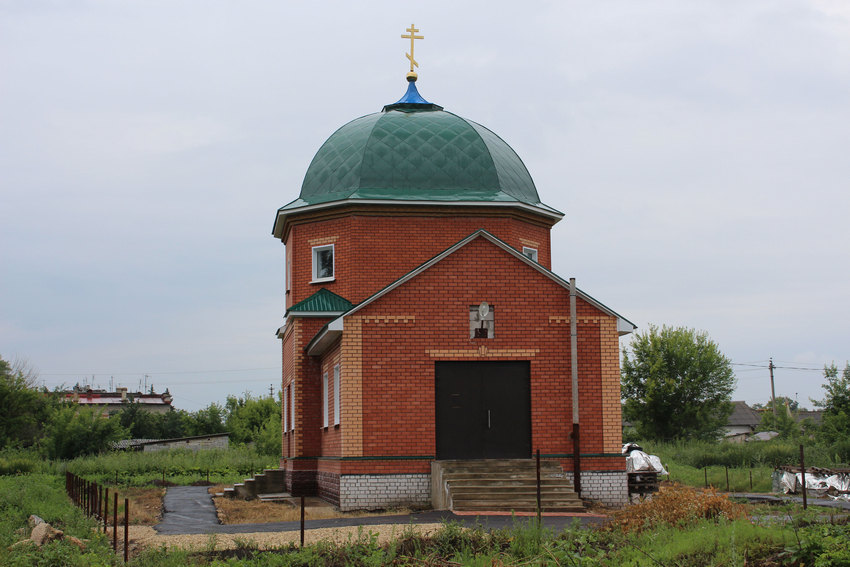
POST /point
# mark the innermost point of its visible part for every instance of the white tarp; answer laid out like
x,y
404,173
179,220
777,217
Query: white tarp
x,y
816,484
638,461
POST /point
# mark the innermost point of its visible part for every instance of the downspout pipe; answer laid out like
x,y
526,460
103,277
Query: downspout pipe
x,y
574,373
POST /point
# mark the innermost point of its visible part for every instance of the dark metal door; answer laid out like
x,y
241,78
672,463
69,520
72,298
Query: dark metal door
x,y
483,410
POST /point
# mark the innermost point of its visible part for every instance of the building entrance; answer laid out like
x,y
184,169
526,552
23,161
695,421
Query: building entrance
x,y
483,410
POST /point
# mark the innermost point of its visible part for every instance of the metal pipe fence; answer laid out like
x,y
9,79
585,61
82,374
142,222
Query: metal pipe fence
x,y
93,499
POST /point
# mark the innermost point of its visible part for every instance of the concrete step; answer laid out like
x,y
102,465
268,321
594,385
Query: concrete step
x,y
270,481
518,507
485,481
512,490
274,497
508,485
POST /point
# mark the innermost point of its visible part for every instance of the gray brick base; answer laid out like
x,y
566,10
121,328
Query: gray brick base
x,y
605,487
373,492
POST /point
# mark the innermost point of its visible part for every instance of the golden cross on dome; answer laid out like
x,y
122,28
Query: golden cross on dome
x,y
412,30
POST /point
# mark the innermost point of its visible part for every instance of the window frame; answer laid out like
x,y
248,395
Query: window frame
x,y
316,250
284,404
526,249
325,400
292,406
337,393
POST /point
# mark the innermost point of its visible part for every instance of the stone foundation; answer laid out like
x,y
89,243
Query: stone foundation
x,y
328,487
610,488
377,491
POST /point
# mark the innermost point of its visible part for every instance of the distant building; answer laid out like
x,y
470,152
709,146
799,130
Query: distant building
x,y
109,402
742,423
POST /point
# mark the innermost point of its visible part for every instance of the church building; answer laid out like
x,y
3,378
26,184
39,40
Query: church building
x,y
424,324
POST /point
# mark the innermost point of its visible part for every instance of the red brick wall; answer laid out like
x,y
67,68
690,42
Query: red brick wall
x,y
330,436
373,251
405,332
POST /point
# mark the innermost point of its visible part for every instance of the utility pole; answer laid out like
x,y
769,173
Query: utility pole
x,y
271,390
772,390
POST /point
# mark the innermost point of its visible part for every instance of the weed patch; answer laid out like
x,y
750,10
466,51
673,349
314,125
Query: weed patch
x,y
677,505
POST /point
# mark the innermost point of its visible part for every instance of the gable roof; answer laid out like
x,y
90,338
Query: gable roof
x,y
744,415
334,328
323,303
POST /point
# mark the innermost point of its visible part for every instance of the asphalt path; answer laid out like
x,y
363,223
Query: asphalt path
x,y
190,510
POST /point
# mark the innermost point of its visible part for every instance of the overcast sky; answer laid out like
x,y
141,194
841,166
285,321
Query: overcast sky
x,y
700,150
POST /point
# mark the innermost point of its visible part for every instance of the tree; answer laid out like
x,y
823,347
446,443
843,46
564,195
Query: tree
x,y
23,409
782,403
246,417
784,422
207,421
144,424
74,431
676,384
836,404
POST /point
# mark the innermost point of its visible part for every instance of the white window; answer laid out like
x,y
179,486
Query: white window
x,y
325,399
284,401
292,406
336,394
323,263
529,252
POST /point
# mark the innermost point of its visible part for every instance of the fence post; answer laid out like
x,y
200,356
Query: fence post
x,y
727,478
803,474
539,505
705,474
302,521
126,529
115,522
105,509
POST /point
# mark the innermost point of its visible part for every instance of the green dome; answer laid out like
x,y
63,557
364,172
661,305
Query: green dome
x,y
416,153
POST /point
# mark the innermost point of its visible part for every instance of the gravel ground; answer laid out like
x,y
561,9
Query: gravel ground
x,y
145,537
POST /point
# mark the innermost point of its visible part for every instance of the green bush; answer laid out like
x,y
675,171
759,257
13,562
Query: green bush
x,y
74,431
22,461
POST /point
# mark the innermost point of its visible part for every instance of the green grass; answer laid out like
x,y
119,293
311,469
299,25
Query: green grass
x,y
707,542
804,540
689,462
176,466
44,496
24,461
772,454
739,478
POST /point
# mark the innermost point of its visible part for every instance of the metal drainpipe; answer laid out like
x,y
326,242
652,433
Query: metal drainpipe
x,y
574,372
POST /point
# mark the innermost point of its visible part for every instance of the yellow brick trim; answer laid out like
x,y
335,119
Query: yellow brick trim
x,y
612,421
297,434
323,240
482,352
529,243
560,319
389,319
351,387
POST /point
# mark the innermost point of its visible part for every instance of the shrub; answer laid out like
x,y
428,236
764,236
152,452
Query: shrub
x,y
677,505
